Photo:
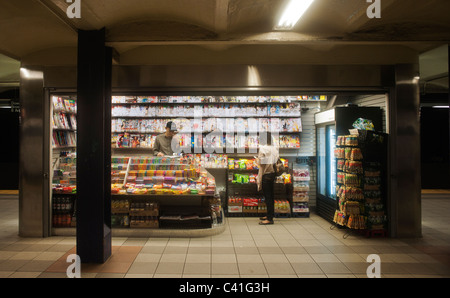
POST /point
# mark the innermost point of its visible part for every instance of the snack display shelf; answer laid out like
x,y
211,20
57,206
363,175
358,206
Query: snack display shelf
x,y
243,198
360,182
156,196
301,188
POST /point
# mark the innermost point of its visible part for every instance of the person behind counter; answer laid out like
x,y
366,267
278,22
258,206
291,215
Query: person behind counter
x,y
163,142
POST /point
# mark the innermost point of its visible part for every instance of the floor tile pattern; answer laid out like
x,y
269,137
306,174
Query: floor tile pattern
x,y
292,247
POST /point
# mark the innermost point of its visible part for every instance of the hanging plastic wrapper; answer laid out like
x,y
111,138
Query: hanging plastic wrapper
x,y
363,124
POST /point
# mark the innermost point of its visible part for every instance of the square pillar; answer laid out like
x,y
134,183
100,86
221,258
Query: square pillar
x,y
405,159
93,147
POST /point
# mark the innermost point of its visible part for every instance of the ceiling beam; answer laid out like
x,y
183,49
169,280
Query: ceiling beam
x,y
59,13
221,16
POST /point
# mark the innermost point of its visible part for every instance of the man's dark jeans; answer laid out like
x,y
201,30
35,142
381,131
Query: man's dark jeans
x,y
267,184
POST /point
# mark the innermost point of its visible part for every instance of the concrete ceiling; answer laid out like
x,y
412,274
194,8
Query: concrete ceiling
x,y
223,28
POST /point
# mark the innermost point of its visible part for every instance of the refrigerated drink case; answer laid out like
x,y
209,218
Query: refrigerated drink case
x,y
329,125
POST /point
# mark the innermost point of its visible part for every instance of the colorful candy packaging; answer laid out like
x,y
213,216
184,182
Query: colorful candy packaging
x,y
363,124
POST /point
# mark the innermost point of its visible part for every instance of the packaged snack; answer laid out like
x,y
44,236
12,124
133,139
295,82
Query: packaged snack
x,y
363,124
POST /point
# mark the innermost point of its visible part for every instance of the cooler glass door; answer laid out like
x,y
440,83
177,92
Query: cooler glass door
x,y
331,161
321,161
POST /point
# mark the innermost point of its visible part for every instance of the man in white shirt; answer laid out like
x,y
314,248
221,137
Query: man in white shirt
x,y
267,157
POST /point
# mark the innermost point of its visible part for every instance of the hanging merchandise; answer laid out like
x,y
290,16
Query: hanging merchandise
x,y
359,177
349,179
363,124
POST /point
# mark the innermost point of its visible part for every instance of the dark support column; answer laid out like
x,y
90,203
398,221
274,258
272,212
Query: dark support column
x,y
405,180
94,147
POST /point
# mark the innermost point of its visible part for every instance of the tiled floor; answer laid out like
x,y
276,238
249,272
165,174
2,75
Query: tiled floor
x,y
295,247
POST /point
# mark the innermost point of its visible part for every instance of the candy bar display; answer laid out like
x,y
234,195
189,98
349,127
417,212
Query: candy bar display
x,y
162,176
119,168
140,186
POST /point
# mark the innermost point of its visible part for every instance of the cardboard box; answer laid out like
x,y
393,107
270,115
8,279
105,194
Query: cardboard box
x,y
235,209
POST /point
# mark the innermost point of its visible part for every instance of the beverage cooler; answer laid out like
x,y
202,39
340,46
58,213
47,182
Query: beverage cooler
x,y
330,124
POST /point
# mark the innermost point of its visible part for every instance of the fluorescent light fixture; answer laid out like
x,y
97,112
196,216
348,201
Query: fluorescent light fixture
x,y
253,78
292,13
440,107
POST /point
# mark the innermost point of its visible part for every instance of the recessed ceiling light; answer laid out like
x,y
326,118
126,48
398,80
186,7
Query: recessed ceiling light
x,y
292,13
